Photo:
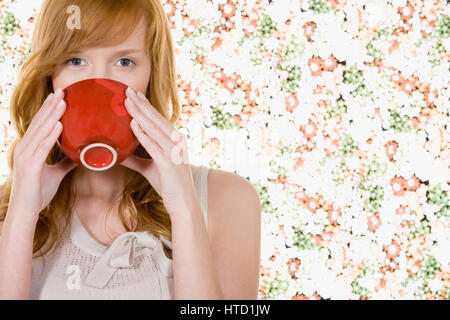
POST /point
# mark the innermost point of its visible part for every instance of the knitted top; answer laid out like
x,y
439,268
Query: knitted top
x,y
134,266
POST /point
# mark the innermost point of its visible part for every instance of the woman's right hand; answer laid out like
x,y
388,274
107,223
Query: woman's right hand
x,y
35,182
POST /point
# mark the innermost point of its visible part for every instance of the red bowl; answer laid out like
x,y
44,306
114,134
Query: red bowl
x,y
96,125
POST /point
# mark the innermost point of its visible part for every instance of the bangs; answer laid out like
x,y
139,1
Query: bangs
x,y
103,23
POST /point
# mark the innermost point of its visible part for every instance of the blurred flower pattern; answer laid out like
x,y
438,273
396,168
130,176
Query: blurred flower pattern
x,y
337,111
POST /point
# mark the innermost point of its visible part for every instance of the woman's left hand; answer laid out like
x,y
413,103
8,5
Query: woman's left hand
x,y
168,171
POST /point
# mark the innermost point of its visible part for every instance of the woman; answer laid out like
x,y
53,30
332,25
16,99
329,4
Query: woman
x,y
159,241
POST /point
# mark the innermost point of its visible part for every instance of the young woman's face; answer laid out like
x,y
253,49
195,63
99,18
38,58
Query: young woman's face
x,y
129,67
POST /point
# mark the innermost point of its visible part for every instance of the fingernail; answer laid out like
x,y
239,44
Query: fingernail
x,y
58,91
131,91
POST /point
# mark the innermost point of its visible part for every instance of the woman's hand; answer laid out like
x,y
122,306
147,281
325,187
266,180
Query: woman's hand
x,y
168,171
34,181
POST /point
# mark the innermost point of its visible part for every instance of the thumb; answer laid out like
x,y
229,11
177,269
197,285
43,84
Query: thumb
x,y
64,166
135,163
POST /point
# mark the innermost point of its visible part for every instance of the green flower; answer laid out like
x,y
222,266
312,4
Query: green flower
x,y
276,288
376,169
347,146
419,230
291,84
442,29
9,24
266,26
353,75
320,6
371,49
338,108
360,290
399,122
430,267
437,196
266,205
374,203
222,120
304,241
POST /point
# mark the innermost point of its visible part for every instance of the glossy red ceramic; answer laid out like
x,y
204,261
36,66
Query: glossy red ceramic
x,y
96,125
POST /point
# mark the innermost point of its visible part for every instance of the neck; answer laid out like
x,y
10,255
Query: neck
x,y
107,184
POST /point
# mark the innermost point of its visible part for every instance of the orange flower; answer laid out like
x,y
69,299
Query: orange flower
x,y
373,222
413,266
249,25
309,28
391,149
398,185
392,250
405,26
401,210
300,297
324,238
380,284
316,66
318,89
291,102
430,96
312,204
228,9
330,63
426,26
189,26
315,296
331,145
338,4
406,12
430,296
293,266
391,265
333,215
407,86
397,78
309,130
413,183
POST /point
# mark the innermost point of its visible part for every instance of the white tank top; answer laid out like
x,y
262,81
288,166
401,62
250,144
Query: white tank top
x,y
134,266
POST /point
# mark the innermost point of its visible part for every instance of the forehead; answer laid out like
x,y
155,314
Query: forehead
x,y
134,43
138,35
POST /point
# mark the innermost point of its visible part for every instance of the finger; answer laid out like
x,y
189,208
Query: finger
x,y
48,124
28,136
29,140
45,146
147,109
135,163
45,109
151,146
64,166
148,126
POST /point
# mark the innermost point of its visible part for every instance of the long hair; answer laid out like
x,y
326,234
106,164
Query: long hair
x,y
103,22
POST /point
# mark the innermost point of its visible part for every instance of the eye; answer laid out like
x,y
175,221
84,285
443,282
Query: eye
x,y
73,59
127,60
76,61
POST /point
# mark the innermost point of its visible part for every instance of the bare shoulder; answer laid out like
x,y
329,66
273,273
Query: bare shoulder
x,y
224,184
232,201
234,228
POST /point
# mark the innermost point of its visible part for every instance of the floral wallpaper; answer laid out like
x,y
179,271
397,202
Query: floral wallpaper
x,y
337,111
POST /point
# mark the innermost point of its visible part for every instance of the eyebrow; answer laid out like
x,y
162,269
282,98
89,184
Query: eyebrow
x,y
120,52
